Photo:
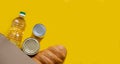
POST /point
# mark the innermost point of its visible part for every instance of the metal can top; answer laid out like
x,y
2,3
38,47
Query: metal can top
x,y
39,30
30,46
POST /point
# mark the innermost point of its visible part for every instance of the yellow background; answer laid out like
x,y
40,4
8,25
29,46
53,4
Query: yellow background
x,y
82,26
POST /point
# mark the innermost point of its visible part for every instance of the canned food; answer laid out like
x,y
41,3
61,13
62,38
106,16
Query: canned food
x,y
39,30
30,46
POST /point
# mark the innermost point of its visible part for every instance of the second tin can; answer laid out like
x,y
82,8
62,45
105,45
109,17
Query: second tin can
x,y
39,30
30,46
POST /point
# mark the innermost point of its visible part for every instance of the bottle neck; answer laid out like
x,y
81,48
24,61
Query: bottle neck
x,y
21,16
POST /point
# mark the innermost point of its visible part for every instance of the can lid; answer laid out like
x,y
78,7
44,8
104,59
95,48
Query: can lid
x,y
39,30
22,13
30,46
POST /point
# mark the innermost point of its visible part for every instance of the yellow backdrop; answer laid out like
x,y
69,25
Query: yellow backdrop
x,y
79,25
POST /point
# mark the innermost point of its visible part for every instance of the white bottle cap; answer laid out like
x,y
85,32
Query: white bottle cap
x,y
39,30
22,14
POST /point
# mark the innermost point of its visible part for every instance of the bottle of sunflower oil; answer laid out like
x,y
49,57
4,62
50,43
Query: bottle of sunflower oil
x,y
15,32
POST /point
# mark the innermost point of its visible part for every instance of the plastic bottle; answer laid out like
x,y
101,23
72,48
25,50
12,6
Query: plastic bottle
x,y
15,33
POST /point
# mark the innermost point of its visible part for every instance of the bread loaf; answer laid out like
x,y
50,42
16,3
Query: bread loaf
x,y
51,55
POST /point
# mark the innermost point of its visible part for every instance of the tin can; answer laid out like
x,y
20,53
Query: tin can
x,y
31,46
39,30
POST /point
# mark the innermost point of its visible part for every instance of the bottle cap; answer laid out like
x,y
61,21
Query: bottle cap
x,y
30,46
22,13
39,30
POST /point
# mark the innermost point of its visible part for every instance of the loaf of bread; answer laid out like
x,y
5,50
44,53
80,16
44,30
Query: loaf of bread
x,y
51,55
